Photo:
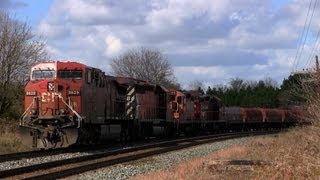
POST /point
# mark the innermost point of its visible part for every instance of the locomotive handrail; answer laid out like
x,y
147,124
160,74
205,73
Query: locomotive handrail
x,y
75,112
25,112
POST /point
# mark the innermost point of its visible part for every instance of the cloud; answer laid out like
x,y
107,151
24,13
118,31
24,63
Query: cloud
x,y
207,40
9,4
58,31
114,45
222,58
206,74
4,4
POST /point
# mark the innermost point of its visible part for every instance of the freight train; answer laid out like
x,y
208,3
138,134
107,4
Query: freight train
x,y
70,103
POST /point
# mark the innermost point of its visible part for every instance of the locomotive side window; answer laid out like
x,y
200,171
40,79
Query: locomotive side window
x,y
89,78
70,74
42,74
179,99
174,106
172,98
96,77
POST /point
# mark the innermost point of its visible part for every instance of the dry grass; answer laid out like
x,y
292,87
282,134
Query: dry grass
x,y
9,141
292,155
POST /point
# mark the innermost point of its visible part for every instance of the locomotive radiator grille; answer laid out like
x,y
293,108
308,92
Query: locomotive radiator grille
x,y
130,104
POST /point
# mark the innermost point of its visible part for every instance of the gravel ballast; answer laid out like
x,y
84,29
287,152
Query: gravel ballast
x,y
159,162
38,160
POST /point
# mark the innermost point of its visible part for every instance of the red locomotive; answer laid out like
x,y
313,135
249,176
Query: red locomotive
x,y
68,103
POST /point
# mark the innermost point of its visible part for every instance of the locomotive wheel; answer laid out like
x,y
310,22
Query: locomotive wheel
x,y
169,130
95,134
126,131
133,133
124,136
177,129
146,130
189,131
68,137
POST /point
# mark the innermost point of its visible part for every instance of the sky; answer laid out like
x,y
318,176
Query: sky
x,y
211,41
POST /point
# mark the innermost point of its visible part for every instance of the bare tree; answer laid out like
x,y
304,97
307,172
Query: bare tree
x,y
18,51
196,86
269,82
237,84
145,64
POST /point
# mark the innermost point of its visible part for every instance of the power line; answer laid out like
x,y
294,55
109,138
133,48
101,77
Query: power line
x,y
307,32
302,35
316,45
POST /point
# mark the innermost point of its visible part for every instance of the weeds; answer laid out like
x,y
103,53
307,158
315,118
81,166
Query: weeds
x,y
9,140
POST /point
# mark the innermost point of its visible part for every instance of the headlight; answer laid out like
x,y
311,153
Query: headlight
x,y
62,111
31,93
34,112
74,93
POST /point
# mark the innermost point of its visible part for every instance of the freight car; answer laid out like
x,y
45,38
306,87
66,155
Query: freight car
x,y
241,118
70,103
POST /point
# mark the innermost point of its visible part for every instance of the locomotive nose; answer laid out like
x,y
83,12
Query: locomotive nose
x,y
50,96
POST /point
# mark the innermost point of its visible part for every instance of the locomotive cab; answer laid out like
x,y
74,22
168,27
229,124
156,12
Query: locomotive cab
x,y
52,106
177,102
174,106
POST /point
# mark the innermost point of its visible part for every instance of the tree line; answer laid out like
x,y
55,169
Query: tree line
x,y
262,93
247,93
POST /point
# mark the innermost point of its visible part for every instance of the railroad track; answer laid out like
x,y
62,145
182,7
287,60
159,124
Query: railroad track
x,y
73,166
111,145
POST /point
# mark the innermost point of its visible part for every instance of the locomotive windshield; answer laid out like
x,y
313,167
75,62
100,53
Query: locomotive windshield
x,y
70,74
42,74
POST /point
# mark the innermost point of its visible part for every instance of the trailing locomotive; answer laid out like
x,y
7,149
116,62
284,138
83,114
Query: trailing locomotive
x,y
70,103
